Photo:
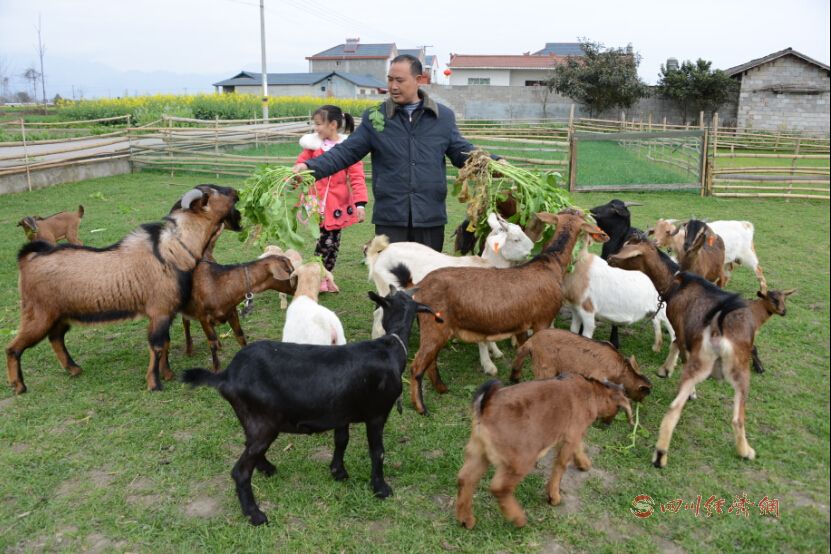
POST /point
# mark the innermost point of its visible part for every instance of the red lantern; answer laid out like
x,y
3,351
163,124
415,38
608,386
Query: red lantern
x,y
447,72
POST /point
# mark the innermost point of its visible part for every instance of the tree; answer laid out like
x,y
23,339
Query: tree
x,y
41,52
695,86
22,97
602,79
32,75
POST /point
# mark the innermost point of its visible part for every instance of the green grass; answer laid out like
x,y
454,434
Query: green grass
x,y
97,462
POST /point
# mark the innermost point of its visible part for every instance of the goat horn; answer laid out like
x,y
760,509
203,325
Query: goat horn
x,y
627,204
189,197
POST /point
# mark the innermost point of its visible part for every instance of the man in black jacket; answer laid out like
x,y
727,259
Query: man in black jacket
x,y
408,135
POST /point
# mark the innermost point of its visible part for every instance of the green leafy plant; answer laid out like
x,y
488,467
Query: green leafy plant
x,y
280,207
376,118
483,182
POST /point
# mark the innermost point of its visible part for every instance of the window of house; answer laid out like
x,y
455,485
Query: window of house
x,y
534,83
363,91
478,80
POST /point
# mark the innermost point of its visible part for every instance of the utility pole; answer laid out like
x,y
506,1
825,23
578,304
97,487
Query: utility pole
x,y
265,73
41,51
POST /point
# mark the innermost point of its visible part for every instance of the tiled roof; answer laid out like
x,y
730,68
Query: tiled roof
x,y
248,78
363,51
463,61
414,52
561,49
769,58
430,61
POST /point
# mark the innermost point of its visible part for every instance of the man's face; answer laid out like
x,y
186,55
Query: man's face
x,y
402,84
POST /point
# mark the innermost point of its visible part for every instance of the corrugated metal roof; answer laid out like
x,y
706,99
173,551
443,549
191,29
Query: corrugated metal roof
x,y
769,58
363,51
248,78
414,52
430,61
561,49
463,61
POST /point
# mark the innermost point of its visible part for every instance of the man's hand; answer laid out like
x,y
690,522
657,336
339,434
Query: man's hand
x,y
497,174
361,214
297,168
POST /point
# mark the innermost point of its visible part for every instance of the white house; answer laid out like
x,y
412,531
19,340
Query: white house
x,y
324,84
508,70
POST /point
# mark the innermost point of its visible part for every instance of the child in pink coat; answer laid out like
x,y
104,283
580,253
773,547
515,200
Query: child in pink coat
x,y
342,196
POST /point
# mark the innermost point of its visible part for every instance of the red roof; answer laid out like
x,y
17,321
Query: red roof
x,y
464,61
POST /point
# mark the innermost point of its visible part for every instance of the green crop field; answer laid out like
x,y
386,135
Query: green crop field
x,y
98,463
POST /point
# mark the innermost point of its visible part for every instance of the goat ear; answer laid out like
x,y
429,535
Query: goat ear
x,y
547,217
283,269
379,300
760,294
622,255
789,292
493,222
425,309
293,278
595,232
650,232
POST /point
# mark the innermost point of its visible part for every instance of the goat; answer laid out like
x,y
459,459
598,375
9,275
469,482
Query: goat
x,y
149,273
506,245
296,261
465,235
518,299
307,322
738,243
62,225
703,252
556,351
714,329
218,289
279,387
594,290
616,221
513,427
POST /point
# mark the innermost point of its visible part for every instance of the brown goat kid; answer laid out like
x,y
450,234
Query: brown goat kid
x,y
488,304
218,289
513,427
714,330
148,273
556,351
702,252
62,225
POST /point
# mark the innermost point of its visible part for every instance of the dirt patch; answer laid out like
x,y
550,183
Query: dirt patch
x,y
96,543
204,507
553,547
322,454
6,402
573,480
141,483
379,527
443,501
613,531
74,486
434,454
18,448
666,546
182,436
801,500
145,500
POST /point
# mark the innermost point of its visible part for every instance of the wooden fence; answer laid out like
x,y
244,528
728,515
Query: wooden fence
x,y
735,163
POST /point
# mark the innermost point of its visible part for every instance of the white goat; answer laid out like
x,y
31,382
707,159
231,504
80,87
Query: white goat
x,y
737,237
506,245
595,290
307,322
296,261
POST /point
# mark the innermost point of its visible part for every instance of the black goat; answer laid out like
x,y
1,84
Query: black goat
x,y
616,221
276,387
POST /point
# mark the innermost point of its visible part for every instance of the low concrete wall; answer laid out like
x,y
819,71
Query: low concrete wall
x,y
58,175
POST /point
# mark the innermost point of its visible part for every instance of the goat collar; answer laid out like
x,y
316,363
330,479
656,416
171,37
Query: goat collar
x,y
249,294
401,342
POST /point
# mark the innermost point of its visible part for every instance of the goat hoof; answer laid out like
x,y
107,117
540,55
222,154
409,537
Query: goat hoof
x,y
168,375
19,388
154,387
553,501
520,521
257,518
266,468
467,522
441,388
662,373
74,370
339,473
382,491
659,458
749,455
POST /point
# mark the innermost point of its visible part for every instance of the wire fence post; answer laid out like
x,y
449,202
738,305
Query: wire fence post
x,y
25,154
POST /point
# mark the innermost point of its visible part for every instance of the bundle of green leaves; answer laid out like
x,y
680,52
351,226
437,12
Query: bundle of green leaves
x,y
279,207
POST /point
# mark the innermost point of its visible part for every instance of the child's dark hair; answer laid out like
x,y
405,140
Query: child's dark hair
x,y
334,113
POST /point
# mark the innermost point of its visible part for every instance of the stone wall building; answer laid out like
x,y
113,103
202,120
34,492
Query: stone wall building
x,y
784,91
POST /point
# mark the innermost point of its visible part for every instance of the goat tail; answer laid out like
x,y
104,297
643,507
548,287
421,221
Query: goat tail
x,y
730,303
483,395
376,246
198,377
80,211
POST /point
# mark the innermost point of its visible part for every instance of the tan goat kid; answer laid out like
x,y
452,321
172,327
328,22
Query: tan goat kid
x,y
513,427
62,225
148,273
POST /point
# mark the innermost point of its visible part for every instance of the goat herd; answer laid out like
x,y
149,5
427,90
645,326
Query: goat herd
x,y
313,381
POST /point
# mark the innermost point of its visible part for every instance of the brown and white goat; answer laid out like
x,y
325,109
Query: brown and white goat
x,y
296,261
513,427
556,351
714,331
148,273
218,289
489,304
62,225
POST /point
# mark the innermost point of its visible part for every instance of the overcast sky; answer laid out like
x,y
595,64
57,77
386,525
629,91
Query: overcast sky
x,y
206,40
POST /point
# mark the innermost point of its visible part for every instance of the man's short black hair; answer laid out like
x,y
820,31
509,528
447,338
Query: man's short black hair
x,y
415,65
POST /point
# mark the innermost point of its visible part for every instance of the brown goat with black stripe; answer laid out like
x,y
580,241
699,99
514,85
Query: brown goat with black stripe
x,y
148,273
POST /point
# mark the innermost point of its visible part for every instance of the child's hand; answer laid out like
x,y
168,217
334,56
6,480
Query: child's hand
x,y
361,214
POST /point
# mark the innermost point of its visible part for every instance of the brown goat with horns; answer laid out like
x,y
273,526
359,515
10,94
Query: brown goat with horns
x,y
148,273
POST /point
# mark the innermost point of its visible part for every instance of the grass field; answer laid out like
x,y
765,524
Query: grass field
x,y
97,463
